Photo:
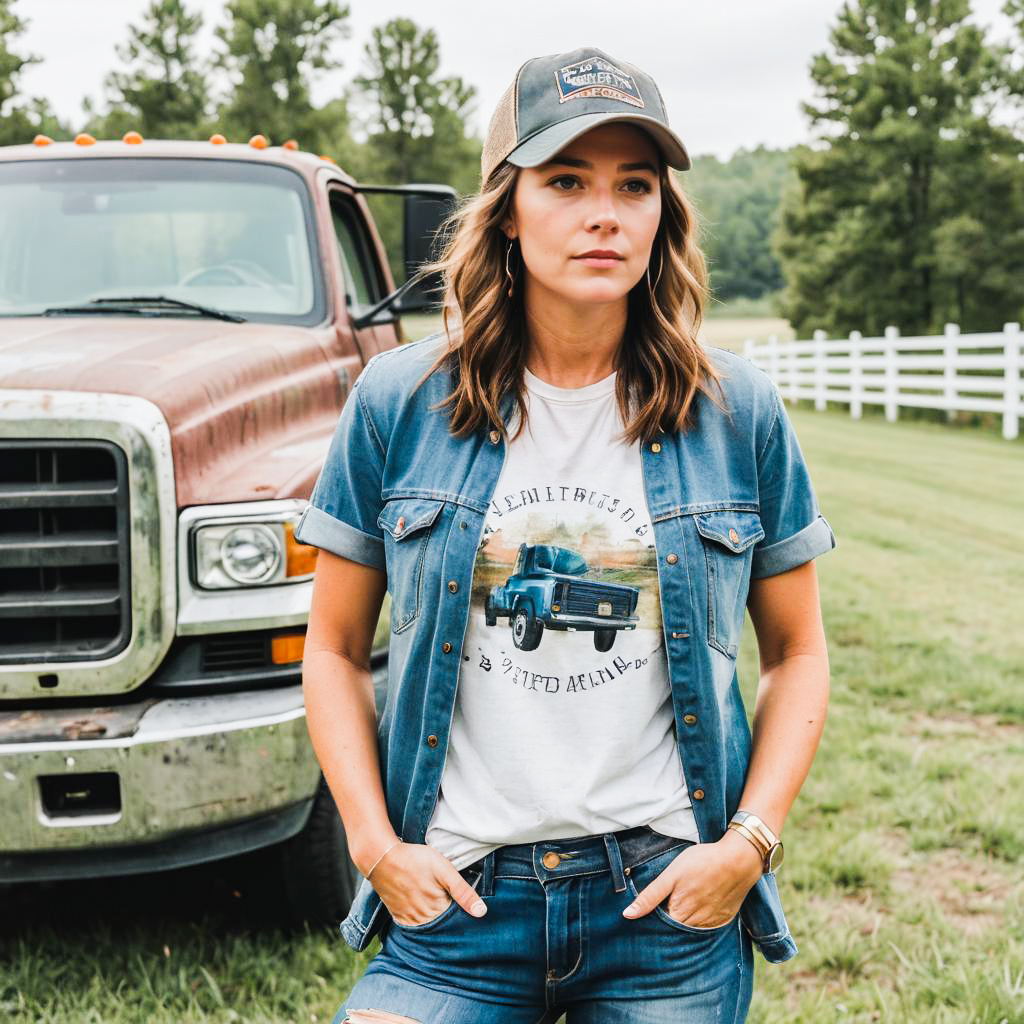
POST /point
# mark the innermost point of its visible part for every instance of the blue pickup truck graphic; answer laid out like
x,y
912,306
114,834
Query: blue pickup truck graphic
x,y
548,588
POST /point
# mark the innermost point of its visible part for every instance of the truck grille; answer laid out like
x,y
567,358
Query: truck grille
x,y
583,600
64,551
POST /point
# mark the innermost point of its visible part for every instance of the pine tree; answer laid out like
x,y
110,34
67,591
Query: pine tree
x,y
20,118
273,48
894,217
164,93
416,121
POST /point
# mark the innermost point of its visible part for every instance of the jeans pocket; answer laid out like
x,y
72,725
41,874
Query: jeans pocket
x,y
472,876
641,875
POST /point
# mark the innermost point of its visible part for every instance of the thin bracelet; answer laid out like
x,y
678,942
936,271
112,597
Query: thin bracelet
x,y
381,857
748,835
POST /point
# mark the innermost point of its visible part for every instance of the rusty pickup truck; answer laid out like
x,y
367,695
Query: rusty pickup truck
x,y
180,323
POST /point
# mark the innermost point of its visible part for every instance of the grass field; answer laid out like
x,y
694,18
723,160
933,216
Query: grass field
x,y
903,881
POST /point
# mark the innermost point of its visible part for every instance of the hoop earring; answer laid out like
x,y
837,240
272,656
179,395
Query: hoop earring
x,y
508,272
661,264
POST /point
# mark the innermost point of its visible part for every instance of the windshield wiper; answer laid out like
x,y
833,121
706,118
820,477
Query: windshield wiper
x,y
137,303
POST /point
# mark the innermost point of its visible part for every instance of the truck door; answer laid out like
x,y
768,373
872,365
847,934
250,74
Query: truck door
x,y
364,276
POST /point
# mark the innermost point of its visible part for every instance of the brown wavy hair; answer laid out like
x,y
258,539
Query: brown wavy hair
x,y
660,364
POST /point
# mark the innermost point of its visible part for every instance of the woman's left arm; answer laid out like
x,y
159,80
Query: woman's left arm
x,y
707,882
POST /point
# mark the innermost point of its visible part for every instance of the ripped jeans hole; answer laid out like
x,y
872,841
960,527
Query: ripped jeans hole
x,y
376,1017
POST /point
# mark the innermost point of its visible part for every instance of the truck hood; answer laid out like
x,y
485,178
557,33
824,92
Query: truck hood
x,y
238,398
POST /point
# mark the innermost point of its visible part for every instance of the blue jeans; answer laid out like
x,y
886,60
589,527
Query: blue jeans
x,y
554,941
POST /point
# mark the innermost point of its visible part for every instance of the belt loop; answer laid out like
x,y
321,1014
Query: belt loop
x,y
615,860
487,881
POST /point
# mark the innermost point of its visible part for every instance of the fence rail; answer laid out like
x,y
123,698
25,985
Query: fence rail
x,y
952,371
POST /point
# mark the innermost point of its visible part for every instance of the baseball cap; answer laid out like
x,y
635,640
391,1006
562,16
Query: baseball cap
x,y
557,98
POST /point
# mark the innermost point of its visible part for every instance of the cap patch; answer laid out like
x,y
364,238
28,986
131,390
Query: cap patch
x,y
597,77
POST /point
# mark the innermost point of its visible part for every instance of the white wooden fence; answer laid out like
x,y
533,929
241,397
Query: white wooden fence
x,y
952,371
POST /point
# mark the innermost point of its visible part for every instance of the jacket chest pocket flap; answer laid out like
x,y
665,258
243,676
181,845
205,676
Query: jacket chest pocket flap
x,y
407,524
727,536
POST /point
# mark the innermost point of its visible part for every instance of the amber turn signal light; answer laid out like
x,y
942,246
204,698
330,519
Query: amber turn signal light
x,y
286,649
300,559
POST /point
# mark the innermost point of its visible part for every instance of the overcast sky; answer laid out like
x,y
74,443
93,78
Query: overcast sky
x,y
732,73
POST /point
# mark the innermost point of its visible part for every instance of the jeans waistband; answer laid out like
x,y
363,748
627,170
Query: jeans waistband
x,y
563,858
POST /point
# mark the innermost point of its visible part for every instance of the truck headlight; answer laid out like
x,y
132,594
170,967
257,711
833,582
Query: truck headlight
x,y
248,554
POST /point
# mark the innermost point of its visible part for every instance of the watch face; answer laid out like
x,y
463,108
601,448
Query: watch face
x,y
775,855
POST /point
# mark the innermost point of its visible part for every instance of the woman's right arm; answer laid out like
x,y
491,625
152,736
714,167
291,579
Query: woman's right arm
x,y
413,880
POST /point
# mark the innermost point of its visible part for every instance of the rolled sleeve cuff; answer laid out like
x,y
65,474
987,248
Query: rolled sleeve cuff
x,y
321,530
813,540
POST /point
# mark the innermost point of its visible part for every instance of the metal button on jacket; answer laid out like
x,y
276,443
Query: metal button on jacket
x,y
690,719
453,586
551,860
672,559
495,436
446,647
431,740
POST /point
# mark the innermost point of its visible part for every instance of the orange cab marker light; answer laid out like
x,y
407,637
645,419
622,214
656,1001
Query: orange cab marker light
x,y
284,650
84,139
299,559
132,138
258,142
218,139
330,160
42,140
290,144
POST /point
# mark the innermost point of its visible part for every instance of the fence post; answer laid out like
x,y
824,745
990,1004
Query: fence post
x,y
856,385
772,356
819,370
1014,408
891,402
950,351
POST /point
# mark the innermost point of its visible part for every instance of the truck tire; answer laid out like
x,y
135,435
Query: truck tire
x,y
318,879
603,639
526,629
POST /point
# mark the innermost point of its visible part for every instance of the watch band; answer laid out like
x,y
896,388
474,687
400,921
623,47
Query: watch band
x,y
752,828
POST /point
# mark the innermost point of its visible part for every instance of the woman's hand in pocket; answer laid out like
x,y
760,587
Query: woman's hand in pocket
x,y
417,883
705,884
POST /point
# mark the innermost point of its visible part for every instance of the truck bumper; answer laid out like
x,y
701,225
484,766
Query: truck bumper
x,y
196,779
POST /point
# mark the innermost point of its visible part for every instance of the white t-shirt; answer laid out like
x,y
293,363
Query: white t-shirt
x,y
563,723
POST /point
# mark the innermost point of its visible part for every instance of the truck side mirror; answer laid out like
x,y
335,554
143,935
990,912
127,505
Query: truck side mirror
x,y
424,211
423,217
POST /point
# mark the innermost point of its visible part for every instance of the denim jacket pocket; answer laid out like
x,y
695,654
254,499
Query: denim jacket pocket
x,y
728,536
407,524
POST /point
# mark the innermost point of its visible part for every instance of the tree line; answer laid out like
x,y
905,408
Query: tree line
x,y
906,207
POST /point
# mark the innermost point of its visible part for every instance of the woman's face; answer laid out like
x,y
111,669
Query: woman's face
x,y
600,193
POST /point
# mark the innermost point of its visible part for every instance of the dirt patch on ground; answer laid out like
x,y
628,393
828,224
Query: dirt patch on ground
x,y
961,725
971,891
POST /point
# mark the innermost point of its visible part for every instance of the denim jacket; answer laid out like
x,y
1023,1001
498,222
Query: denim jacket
x,y
730,500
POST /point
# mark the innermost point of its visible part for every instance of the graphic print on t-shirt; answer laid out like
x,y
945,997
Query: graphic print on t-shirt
x,y
563,722
564,570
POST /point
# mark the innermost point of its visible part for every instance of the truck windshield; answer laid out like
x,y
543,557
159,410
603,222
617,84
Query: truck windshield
x,y
225,234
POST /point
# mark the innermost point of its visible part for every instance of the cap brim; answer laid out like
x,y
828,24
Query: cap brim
x,y
551,140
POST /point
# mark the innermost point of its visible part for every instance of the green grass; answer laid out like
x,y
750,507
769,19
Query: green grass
x,y
902,883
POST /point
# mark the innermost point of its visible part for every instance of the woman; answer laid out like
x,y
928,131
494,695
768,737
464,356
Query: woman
x,y
571,503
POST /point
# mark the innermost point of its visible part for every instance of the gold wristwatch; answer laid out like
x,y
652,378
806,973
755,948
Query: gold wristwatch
x,y
755,831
